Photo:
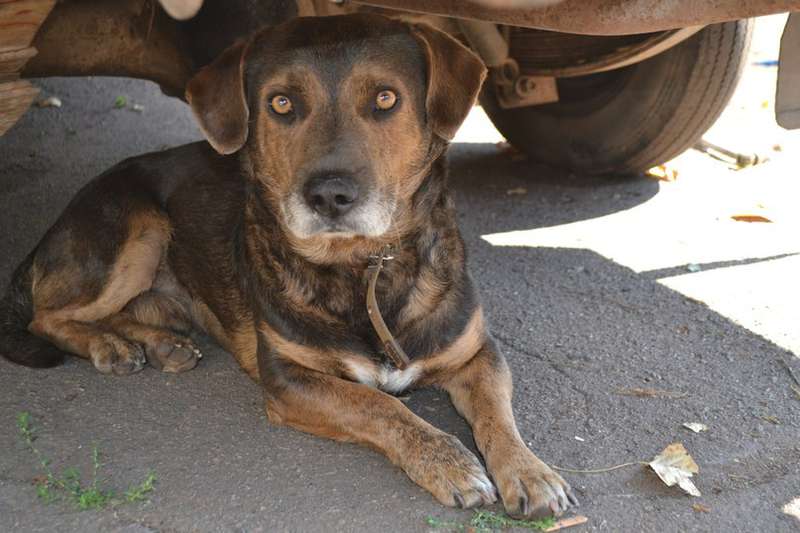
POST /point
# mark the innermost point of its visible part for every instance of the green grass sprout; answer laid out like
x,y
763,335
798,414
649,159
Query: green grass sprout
x,y
69,487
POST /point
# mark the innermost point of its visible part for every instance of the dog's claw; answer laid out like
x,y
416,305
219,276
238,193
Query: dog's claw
x,y
530,489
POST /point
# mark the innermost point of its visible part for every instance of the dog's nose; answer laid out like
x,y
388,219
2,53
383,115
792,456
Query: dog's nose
x,y
331,196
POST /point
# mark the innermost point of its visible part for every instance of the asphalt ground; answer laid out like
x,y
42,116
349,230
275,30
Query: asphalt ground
x,y
593,287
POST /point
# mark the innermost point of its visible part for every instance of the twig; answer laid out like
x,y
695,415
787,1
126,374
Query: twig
x,y
568,522
642,392
790,371
597,470
796,390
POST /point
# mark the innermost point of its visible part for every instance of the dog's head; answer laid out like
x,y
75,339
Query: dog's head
x,y
338,116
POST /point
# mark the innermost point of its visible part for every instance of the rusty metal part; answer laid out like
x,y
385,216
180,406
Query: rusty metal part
x,y
15,98
596,17
736,160
486,40
527,91
132,38
513,89
787,97
391,348
564,55
19,21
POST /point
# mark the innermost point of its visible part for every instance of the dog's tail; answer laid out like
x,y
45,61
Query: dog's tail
x,y
17,344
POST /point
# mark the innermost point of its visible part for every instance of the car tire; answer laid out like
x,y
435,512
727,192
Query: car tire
x,y
631,119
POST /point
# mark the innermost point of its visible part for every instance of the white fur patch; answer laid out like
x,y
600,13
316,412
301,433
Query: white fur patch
x,y
383,377
371,218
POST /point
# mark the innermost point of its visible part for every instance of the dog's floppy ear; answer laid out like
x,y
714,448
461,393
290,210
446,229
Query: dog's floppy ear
x,y
216,94
455,76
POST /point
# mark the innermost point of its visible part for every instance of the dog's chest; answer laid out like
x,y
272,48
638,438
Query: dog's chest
x,y
381,375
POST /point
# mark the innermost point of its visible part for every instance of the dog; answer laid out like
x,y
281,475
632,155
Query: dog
x,y
322,185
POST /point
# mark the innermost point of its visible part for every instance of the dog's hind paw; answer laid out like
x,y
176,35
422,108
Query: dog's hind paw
x,y
173,354
111,354
448,470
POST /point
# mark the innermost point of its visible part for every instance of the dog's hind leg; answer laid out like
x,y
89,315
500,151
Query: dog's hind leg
x,y
76,285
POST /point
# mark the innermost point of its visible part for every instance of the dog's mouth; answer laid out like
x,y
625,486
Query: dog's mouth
x,y
370,217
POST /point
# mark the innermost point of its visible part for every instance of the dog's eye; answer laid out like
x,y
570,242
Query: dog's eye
x,y
281,104
385,100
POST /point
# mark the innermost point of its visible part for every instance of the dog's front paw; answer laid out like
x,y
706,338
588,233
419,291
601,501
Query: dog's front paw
x,y
439,463
529,488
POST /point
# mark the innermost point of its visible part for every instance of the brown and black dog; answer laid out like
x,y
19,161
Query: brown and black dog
x,y
336,131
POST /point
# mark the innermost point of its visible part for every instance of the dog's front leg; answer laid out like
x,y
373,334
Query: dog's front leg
x,y
335,408
481,392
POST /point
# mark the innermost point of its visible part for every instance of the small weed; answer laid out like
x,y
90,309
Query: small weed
x,y
435,523
69,487
487,521
139,492
120,102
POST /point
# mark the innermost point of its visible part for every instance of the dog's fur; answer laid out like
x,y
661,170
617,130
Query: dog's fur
x,y
189,237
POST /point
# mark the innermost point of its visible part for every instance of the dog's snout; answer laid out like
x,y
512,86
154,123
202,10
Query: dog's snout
x,y
331,195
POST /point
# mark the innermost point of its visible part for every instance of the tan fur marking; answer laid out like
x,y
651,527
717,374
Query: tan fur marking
x,y
208,322
244,346
132,274
423,298
460,351
325,361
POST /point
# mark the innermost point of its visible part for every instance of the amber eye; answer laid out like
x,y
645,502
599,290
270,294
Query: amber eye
x,y
385,100
281,104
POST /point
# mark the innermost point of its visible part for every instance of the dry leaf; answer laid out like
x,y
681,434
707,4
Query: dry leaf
x,y
663,173
568,522
697,427
517,191
750,218
793,508
700,508
675,466
50,101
